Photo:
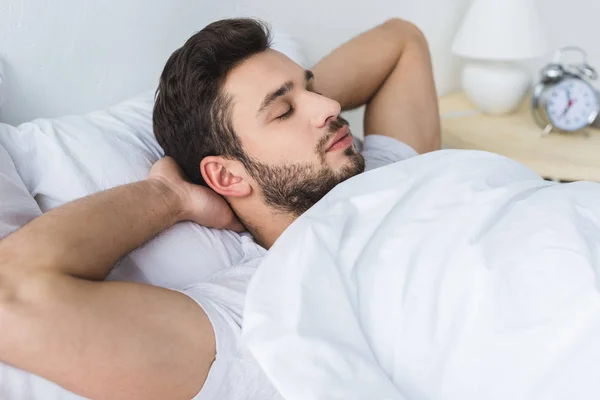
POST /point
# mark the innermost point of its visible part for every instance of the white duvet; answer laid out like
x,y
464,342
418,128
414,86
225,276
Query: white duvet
x,y
453,275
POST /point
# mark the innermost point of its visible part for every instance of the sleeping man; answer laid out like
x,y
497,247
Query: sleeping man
x,y
443,275
262,139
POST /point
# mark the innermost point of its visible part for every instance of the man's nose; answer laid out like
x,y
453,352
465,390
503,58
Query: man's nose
x,y
323,109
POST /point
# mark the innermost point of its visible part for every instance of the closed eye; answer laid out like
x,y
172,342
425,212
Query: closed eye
x,y
290,111
287,114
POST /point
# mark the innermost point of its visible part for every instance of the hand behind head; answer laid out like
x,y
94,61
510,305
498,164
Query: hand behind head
x,y
199,204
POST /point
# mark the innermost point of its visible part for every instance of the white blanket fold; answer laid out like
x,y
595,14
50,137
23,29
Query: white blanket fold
x,y
453,275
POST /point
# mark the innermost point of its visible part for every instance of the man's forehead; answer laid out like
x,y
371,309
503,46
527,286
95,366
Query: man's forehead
x,y
260,74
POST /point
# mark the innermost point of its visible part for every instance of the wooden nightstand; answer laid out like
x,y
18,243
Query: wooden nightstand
x,y
563,157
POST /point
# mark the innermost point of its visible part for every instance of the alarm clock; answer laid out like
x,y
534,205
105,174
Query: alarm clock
x,y
564,100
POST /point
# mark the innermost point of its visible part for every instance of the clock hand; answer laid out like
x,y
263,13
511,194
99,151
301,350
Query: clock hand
x,y
571,102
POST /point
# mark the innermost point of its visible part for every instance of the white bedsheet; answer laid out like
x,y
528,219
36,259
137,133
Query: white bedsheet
x,y
453,275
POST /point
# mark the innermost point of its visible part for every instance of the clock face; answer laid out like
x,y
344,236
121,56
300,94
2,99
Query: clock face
x,y
571,105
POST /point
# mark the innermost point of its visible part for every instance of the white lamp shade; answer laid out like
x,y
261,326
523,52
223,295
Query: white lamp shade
x,y
501,30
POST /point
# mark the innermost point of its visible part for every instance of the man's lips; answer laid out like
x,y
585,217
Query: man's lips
x,y
342,135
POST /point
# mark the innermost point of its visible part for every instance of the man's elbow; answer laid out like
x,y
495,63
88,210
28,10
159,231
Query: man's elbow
x,y
16,278
25,296
15,271
7,295
8,309
8,277
405,29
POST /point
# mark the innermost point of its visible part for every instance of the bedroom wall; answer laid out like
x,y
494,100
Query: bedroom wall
x,y
72,56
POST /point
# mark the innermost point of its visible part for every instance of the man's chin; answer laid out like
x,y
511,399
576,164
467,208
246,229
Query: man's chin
x,y
354,165
294,188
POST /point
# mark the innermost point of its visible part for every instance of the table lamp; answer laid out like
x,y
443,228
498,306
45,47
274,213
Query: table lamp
x,y
495,37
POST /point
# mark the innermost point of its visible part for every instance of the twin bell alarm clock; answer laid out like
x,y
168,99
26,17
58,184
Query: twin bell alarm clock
x,y
564,99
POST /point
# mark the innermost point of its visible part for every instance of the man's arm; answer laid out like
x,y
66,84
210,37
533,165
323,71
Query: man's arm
x,y
389,69
105,340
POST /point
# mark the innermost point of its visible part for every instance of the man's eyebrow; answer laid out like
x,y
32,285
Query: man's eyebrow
x,y
271,97
282,91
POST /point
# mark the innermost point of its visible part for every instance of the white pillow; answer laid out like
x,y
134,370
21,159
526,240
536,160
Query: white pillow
x,y
17,207
1,82
66,158
62,159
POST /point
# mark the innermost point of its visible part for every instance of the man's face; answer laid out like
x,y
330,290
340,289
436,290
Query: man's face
x,y
299,145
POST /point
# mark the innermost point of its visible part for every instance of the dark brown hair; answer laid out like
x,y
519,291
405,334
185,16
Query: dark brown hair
x,y
192,115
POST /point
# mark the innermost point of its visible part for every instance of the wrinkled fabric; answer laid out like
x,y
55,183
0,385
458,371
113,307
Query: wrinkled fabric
x,y
453,275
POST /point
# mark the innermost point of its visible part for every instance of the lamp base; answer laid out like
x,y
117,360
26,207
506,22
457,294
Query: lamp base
x,y
495,87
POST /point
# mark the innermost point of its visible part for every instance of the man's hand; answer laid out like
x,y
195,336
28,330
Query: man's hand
x,y
199,204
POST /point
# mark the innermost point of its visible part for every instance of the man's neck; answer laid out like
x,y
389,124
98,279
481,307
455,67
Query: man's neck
x,y
266,225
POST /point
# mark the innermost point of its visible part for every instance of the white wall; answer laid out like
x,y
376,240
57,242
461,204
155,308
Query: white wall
x,y
573,22
72,56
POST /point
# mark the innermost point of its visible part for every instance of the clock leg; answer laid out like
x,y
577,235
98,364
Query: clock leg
x,y
547,130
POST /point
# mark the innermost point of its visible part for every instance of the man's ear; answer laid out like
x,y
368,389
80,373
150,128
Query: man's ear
x,y
226,177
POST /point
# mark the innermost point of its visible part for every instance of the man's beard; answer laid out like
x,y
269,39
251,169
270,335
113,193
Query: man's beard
x,y
293,189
